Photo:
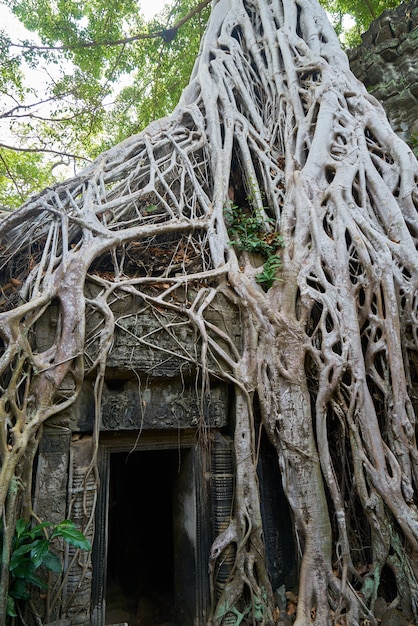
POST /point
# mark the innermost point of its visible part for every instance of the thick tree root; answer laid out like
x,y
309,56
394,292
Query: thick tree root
x,y
274,127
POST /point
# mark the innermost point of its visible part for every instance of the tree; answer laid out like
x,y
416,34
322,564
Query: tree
x,y
102,69
106,75
275,138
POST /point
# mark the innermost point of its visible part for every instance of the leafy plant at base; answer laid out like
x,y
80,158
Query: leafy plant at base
x,y
268,275
31,549
248,232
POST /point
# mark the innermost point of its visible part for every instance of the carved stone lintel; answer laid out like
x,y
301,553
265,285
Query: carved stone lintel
x,y
169,405
162,408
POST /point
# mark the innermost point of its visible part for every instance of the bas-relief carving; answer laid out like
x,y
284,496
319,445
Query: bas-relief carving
x,y
51,495
141,343
82,493
164,345
50,499
166,352
162,407
168,405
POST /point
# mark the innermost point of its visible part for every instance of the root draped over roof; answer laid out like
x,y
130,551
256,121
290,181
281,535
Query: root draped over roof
x,y
274,127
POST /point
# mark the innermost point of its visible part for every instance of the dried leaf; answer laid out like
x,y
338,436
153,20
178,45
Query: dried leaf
x,y
291,608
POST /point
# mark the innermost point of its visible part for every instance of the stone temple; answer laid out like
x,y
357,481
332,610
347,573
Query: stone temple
x,y
163,489
161,500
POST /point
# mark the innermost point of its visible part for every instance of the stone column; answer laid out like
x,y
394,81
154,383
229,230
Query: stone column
x,y
82,492
50,501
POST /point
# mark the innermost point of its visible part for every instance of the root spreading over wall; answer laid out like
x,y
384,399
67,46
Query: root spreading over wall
x,y
272,135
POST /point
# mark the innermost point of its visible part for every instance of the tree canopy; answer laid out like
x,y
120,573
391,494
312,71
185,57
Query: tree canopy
x,y
94,73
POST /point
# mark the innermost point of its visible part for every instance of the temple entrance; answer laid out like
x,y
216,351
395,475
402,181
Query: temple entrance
x,y
153,534
140,562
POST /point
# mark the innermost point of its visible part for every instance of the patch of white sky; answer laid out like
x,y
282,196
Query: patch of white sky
x,y
38,77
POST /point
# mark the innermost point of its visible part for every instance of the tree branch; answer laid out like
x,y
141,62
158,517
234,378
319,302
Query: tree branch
x,y
12,178
46,150
166,34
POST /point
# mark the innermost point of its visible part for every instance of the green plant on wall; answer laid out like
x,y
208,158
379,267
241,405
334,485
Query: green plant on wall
x,y
250,231
31,550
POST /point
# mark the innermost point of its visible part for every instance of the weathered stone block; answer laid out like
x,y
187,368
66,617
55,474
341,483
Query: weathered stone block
x,y
162,342
167,404
52,470
414,90
384,31
163,406
386,62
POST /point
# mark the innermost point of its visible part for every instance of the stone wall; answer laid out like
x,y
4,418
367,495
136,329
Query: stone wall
x,y
387,62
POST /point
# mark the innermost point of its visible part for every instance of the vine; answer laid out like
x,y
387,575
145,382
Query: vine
x,y
328,353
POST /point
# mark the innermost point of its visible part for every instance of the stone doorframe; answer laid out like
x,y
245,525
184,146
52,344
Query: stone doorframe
x,y
147,441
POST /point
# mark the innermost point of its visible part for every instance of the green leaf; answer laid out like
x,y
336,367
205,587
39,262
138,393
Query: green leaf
x,y
68,531
35,580
10,609
22,568
23,575
39,550
52,562
19,590
21,527
19,555
36,531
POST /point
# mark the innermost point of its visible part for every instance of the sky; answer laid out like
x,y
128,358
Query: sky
x,y
14,28
16,31
151,7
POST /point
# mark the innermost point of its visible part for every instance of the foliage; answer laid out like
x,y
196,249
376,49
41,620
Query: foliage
x,y
100,73
21,174
255,233
31,549
98,86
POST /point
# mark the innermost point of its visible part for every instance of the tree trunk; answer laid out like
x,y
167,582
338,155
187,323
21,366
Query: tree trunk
x,y
272,136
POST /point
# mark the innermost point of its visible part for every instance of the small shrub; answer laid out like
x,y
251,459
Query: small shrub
x,y
31,550
250,232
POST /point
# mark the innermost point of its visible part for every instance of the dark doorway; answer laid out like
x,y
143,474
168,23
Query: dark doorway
x,y
140,564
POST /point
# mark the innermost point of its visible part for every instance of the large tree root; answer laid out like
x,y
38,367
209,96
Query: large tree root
x,y
273,123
